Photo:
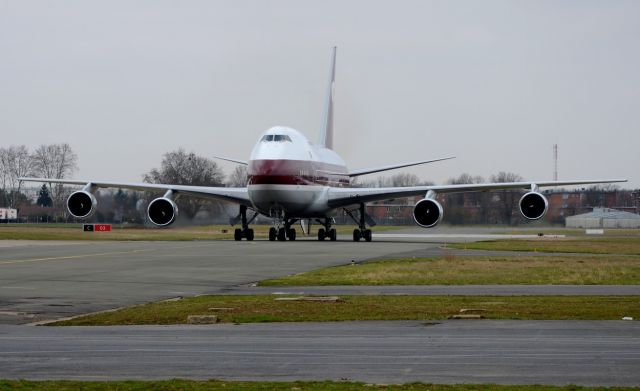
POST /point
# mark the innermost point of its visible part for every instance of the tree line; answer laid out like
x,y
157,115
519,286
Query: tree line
x,y
186,168
54,161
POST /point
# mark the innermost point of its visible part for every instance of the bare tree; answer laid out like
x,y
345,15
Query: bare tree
x,y
15,162
54,161
402,179
508,198
4,175
458,203
239,177
182,168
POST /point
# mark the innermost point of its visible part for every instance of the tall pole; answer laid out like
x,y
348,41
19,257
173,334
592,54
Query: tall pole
x,y
555,162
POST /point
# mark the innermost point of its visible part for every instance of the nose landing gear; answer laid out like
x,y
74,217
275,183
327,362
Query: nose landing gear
x,y
283,233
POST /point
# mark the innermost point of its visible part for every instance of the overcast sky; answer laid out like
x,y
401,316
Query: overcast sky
x,y
495,83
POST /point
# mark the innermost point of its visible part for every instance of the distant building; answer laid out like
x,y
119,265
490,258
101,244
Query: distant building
x,y
8,215
604,218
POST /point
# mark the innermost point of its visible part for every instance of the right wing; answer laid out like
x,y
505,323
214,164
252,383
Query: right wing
x,y
238,195
344,196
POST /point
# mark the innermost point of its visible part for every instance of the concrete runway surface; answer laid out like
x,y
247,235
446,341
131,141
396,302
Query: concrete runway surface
x,y
47,280
484,351
42,280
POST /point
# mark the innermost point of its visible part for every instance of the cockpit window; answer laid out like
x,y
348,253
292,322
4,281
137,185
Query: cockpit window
x,y
276,137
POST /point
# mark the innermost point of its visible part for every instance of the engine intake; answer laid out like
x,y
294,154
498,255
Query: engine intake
x,y
162,211
533,205
427,213
81,204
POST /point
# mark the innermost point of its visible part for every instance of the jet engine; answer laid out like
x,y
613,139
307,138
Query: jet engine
x,y
162,211
81,204
427,213
533,205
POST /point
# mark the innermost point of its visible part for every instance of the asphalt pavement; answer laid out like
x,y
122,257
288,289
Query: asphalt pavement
x,y
465,351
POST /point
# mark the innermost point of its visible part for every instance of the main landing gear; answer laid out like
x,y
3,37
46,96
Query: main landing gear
x,y
283,233
361,232
245,231
327,232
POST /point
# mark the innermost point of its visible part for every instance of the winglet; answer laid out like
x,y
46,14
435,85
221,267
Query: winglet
x,y
325,138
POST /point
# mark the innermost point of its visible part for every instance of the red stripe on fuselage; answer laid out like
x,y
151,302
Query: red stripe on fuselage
x,y
296,172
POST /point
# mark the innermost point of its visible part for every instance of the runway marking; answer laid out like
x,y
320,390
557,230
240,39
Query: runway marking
x,y
15,261
464,236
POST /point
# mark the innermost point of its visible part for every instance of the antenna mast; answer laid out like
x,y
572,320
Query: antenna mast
x,y
555,162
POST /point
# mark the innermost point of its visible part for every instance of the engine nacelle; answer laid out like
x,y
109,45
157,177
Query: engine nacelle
x,y
533,205
427,213
162,211
81,204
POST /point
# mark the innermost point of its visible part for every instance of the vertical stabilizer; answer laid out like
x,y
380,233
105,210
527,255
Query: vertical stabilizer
x,y
326,130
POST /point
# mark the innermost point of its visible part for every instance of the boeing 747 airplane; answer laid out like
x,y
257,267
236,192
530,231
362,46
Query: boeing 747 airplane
x,y
292,179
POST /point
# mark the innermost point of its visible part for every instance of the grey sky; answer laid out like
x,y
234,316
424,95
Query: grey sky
x,y
495,83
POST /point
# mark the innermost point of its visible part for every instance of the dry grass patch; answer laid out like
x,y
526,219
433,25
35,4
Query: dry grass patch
x,y
74,232
556,270
600,245
263,308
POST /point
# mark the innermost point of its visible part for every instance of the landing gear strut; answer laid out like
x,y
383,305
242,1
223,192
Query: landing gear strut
x,y
361,232
282,233
245,231
327,231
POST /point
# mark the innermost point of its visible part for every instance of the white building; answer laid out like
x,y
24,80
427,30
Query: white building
x,y
8,215
604,218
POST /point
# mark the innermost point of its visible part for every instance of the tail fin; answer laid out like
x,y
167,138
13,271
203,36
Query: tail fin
x,y
326,130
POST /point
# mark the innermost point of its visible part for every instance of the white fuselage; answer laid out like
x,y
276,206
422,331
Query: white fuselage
x,y
290,177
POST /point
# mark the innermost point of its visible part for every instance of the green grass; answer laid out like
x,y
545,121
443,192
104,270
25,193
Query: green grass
x,y
264,308
74,232
190,385
599,245
451,270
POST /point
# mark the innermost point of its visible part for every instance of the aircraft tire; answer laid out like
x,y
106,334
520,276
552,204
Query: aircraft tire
x,y
321,235
333,234
282,235
356,235
237,235
367,235
249,234
273,233
292,234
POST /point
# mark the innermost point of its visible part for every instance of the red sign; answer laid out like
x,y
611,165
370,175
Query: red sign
x,y
102,227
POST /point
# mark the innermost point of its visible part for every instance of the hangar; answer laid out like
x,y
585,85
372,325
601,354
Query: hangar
x,y
604,218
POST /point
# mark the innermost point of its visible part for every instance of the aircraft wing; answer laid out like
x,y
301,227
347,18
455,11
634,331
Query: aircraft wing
x,y
372,170
238,195
343,196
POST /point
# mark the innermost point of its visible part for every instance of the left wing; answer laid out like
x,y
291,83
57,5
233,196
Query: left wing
x,y
343,196
238,195
372,170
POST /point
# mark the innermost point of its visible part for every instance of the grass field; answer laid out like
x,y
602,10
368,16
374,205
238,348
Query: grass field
x,y
264,308
188,385
629,245
74,232
451,270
